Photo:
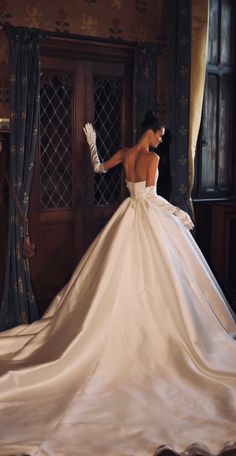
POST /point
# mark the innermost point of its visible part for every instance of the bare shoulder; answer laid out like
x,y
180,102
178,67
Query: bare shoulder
x,y
125,152
156,157
121,153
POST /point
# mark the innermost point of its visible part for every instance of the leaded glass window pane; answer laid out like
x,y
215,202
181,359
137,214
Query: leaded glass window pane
x,y
107,123
56,140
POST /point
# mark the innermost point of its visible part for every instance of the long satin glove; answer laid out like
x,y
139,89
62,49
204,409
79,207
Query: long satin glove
x,y
184,217
90,134
175,210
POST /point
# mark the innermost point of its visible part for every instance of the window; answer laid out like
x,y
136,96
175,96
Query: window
x,y
215,157
107,123
56,140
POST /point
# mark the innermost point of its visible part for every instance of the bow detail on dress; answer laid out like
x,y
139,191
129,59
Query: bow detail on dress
x,y
139,193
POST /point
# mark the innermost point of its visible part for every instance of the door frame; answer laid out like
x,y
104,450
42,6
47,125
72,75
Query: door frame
x,y
73,49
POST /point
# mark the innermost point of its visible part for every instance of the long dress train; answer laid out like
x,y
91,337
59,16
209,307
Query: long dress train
x,y
135,354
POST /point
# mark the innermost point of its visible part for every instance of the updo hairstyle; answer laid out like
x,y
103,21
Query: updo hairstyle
x,y
151,121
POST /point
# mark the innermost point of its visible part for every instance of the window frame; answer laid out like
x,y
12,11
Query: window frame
x,y
219,70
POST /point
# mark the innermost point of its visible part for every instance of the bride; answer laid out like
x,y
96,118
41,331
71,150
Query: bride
x,y
137,352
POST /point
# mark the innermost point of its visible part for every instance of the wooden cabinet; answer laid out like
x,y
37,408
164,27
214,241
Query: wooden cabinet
x,y
223,247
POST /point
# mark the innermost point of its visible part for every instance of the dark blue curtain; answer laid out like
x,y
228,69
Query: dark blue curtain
x,y
145,83
18,303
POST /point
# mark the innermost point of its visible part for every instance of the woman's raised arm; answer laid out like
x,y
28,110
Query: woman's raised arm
x,y
99,167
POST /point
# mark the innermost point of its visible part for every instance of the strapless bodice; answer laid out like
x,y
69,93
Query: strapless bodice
x,y
140,190
140,193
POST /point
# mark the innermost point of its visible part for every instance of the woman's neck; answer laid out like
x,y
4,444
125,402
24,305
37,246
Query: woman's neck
x,y
143,144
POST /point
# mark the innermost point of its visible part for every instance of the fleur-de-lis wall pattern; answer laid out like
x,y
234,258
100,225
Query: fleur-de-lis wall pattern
x,y
139,20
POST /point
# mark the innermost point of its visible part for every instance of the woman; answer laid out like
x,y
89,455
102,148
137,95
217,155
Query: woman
x,y
136,353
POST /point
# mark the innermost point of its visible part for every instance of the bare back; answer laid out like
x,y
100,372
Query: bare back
x,y
140,165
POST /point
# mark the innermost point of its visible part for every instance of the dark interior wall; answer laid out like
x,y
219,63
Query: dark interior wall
x,y
139,20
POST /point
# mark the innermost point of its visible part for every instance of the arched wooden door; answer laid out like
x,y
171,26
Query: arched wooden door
x,y
69,205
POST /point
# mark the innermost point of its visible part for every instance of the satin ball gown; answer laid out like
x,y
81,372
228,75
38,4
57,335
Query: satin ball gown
x,y
135,354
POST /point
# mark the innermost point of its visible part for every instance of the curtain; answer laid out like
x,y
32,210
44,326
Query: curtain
x,y
18,303
200,25
145,83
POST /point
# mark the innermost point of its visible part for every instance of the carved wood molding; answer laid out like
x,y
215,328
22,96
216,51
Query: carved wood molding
x,y
100,50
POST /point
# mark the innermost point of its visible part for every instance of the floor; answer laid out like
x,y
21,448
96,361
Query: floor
x,y
225,453
170,453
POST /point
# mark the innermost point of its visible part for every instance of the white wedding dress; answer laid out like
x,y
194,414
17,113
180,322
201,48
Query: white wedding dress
x,y
134,355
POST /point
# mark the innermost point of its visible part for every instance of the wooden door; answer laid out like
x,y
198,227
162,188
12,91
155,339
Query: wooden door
x,y
69,204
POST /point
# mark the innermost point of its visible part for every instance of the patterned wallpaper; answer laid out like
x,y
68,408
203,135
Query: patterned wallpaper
x,y
132,20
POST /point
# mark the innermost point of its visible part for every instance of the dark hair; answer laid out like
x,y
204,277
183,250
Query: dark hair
x,y
151,121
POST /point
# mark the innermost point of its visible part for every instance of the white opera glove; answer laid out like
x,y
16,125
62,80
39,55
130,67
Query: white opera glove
x,y
90,134
184,217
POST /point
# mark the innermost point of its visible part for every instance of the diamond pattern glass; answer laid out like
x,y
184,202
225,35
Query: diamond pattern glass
x,y
56,140
107,123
